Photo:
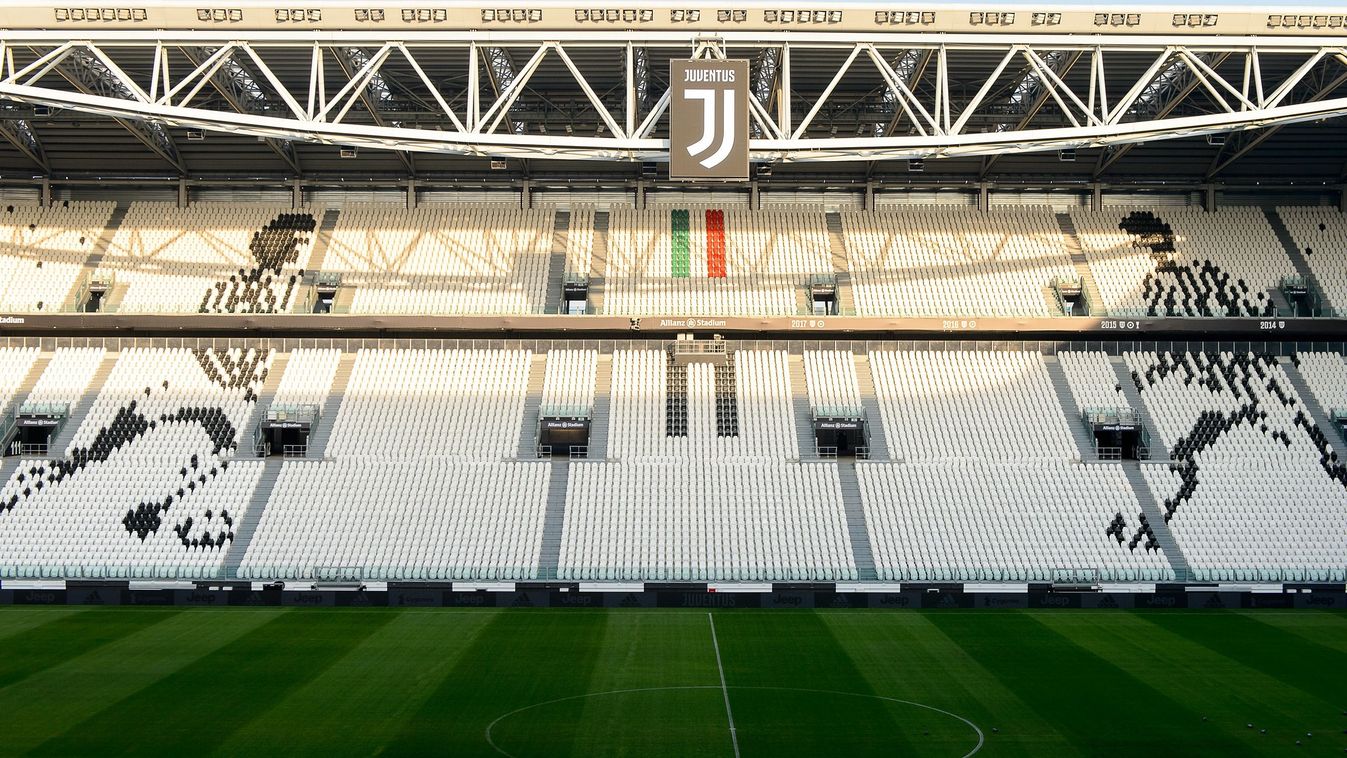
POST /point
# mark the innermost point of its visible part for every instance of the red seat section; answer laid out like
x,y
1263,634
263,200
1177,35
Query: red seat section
x,y
715,243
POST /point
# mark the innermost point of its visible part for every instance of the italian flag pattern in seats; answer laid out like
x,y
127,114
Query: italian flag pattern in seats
x,y
681,247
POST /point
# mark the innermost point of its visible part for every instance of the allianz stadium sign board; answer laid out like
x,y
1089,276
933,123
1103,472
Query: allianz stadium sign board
x,y
708,121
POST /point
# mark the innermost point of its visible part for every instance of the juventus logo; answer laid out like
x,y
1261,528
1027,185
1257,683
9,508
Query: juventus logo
x,y
710,131
708,125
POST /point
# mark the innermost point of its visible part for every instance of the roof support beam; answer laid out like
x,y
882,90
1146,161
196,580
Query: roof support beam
x,y
1247,141
86,73
1045,92
944,117
1181,91
348,64
20,134
237,89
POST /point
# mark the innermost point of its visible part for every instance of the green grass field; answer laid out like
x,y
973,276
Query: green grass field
x,y
267,681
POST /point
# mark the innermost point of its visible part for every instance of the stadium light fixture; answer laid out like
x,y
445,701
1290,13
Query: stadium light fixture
x,y
349,152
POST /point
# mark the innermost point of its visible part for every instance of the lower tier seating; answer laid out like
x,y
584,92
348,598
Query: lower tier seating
x,y
703,483
135,514
419,519
969,404
705,520
1006,522
147,486
1254,489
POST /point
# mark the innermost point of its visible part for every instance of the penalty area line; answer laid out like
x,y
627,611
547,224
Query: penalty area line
x,y
724,690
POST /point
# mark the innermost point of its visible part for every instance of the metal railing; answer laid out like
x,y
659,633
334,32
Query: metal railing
x,y
698,347
1075,576
46,410
323,278
565,411
1108,452
1102,415
294,451
1059,284
106,279
28,448
293,412
544,452
337,573
840,311
849,412
1313,299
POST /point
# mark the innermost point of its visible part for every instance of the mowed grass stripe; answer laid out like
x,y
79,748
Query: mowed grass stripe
x,y
643,651
65,637
53,699
1327,628
1279,654
1224,691
391,673
15,619
1101,703
770,657
223,689
905,655
517,659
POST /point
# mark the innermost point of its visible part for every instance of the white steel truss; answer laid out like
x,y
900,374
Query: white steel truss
x,y
1101,91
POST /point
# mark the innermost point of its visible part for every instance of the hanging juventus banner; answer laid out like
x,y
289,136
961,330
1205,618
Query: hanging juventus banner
x,y
708,127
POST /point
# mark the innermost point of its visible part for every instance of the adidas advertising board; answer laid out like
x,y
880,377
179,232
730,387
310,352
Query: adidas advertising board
x,y
708,129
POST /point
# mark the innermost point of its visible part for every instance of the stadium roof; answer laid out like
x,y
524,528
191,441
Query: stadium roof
x,y
580,89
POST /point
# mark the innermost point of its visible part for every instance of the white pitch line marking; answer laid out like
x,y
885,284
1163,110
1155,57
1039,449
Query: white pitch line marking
x,y
734,735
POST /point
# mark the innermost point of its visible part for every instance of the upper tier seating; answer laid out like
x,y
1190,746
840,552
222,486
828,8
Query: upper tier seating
x,y
443,403
699,260
43,252
659,410
580,240
148,486
703,520
209,258
1254,490
991,405
1006,521
442,259
1093,382
954,261
1321,235
1182,261
423,518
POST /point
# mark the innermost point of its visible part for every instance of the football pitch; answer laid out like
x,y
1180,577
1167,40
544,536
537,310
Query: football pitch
x,y
336,682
